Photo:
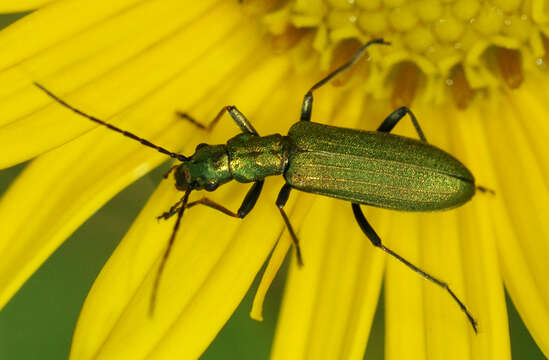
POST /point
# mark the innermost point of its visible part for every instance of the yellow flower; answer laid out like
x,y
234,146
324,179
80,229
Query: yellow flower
x,y
473,72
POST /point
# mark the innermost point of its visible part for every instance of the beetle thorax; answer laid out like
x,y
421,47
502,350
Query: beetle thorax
x,y
206,169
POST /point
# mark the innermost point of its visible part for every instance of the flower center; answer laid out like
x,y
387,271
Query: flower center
x,y
440,49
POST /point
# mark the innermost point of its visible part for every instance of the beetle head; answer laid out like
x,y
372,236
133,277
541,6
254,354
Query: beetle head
x,y
205,170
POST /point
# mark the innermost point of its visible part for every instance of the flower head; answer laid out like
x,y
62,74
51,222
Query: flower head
x,y
473,72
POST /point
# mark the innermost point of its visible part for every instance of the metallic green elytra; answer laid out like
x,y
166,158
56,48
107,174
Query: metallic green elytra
x,y
363,167
377,169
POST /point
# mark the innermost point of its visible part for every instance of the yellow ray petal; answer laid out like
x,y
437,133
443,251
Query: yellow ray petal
x,y
163,53
528,104
66,186
404,317
403,296
484,287
446,256
404,311
449,333
522,228
209,272
201,274
55,26
101,64
104,46
329,303
10,6
297,215
158,106
323,107
275,262
478,229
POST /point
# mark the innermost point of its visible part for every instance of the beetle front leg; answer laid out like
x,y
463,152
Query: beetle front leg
x,y
308,99
247,204
239,118
376,241
389,123
281,200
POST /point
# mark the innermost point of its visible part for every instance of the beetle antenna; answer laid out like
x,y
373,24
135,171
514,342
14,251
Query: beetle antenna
x,y
167,252
112,127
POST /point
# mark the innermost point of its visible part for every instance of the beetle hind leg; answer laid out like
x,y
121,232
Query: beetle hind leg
x,y
376,241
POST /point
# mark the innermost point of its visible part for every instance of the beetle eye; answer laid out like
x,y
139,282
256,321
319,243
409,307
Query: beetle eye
x,y
210,186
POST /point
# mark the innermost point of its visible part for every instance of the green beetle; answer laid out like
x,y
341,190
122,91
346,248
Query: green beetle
x,y
364,167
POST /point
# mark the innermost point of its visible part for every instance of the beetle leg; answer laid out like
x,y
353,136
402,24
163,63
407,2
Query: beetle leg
x,y
245,208
389,123
180,206
237,116
280,202
376,241
308,99
250,199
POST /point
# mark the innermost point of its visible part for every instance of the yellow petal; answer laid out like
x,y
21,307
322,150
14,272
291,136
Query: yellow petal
x,y
55,25
429,323
404,313
110,60
207,275
210,269
522,229
157,106
480,244
329,303
91,58
481,240
275,262
59,191
9,6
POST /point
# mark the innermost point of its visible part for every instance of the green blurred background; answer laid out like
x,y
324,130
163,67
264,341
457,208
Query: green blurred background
x,y
39,320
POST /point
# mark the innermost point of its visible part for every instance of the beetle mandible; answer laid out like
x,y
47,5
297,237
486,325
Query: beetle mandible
x,y
373,168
